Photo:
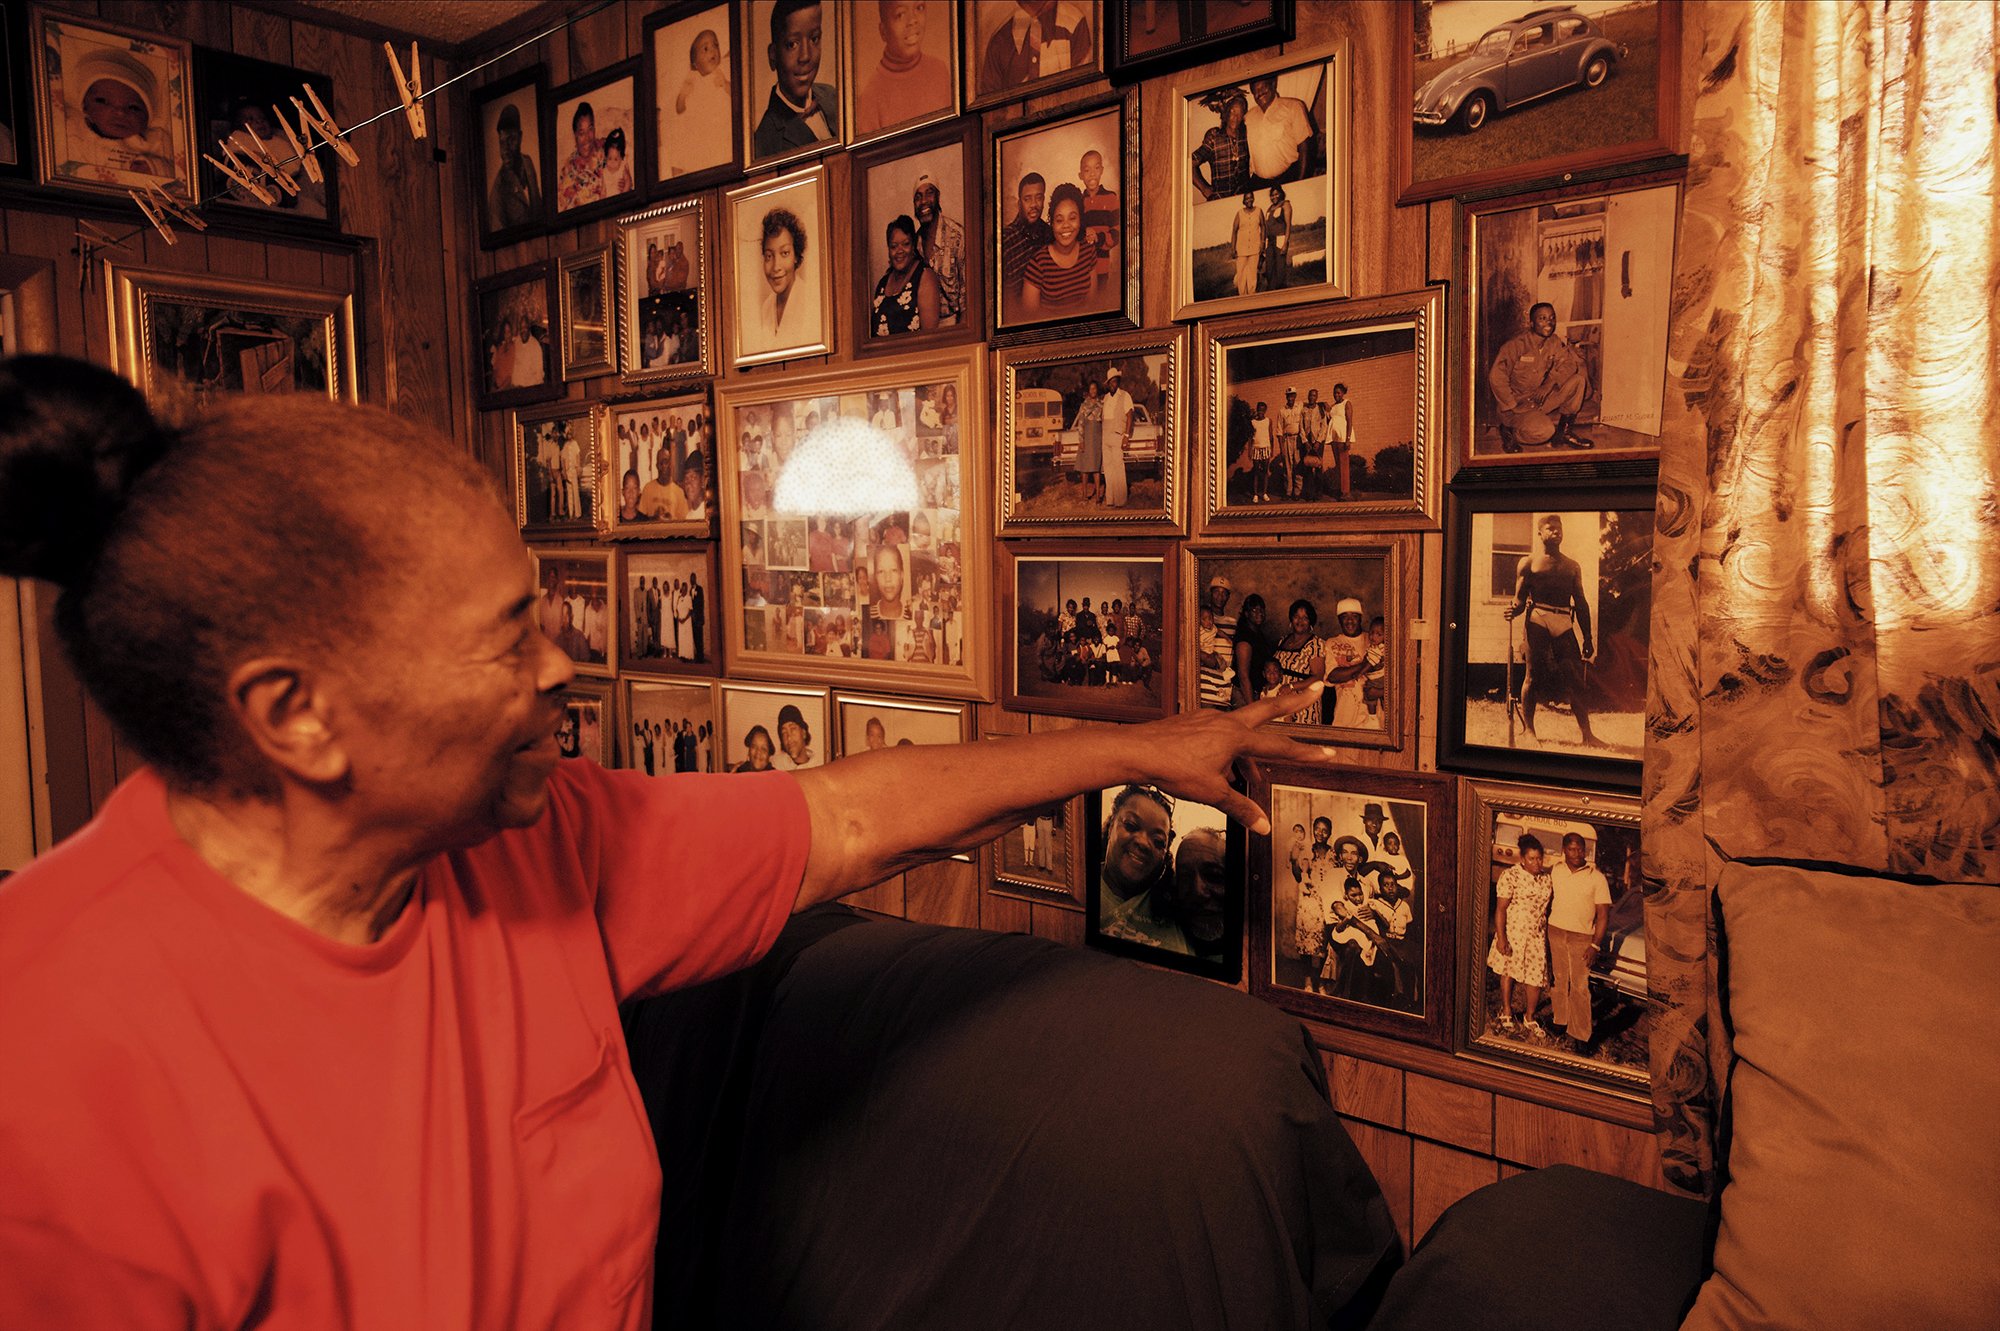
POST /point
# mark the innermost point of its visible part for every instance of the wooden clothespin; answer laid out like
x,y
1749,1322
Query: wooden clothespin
x,y
303,154
158,206
258,156
243,174
89,240
411,89
323,124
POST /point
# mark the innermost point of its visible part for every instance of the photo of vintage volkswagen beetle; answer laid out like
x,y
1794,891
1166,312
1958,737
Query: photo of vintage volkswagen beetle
x,y
1543,51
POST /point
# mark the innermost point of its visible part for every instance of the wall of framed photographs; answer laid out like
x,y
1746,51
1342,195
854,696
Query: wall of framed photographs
x,y
1308,337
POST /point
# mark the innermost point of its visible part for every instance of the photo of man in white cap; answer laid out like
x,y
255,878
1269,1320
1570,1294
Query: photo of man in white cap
x,y
1346,654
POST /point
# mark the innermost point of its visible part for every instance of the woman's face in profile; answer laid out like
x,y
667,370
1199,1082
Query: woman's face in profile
x,y
1136,845
115,110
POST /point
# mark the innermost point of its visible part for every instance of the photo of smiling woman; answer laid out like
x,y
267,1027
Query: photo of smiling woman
x,y
1160,885
777,231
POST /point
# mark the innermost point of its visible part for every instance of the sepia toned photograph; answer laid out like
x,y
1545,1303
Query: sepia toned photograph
x,y
594,133
220,335
666,294
666,597
766,727
1546,665
905,71
1503,94
1261,193
867,723
671,726
111,107
693,79
235,95
586,729
1353,925
1163,881
589,333
575,607
1256,622
1062,216
555,469
779,241
1570,303
1024,48
662,464
1091,437
1089,634
516,170
919,272
1042,859
1326,412
1147,37
1553,913
517,346
792,70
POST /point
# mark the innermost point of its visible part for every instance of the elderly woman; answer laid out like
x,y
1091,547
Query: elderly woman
x,y
318,1019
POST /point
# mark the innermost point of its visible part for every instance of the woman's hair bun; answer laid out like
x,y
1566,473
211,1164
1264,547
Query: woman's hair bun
x,y
73,439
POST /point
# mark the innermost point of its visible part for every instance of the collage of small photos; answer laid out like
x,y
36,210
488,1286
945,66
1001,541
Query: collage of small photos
x,y
863,420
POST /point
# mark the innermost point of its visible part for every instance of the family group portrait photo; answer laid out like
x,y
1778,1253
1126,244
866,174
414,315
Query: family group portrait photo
x,y
1061,219
1349,897
517,350
596,143
1267,622
665,315
1090,635
555,468
663,459
1320,419
670,727
575,607
666,607
1160,884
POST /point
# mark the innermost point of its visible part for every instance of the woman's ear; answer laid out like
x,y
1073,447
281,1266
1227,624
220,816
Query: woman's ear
x,y
283,710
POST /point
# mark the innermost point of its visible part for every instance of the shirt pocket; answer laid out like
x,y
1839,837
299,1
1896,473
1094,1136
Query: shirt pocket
x,y
591,1180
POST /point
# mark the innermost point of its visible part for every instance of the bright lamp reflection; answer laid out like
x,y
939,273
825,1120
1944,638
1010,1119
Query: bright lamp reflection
x,y
846,467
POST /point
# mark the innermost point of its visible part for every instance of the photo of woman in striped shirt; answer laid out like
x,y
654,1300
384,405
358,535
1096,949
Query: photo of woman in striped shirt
x,y
1062,278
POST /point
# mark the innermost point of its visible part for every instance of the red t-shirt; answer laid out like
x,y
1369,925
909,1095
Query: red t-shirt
x,y
211,1115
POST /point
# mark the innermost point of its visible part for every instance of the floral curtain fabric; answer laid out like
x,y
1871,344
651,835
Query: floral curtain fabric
x,y
1825,675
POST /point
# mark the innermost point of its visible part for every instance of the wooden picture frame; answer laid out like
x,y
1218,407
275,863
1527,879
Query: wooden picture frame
x,y
589,724
1047,667
586,292
1001,69
1043,443
576,607
857,717
773,132
505,306
657,443
666,294
1282,187
1383,964
666,636
1373,709
1488,724
1574,120
17,101
1600,257
651,716
885,100
588,183
1610,1053
556,454
1041,861
1388,353
899,180
1178,33
796,208
684,106
91,150
229,335
747,708
800,594
234,95
1176,902
1057,148
516,205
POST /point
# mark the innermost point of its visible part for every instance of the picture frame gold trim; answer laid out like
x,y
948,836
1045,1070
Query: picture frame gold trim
x,y
1336,60
1169,518
628,687
634,282
1401,598
1062,889
965,369
610,475
633,665
605,259
601,692
1481,804
586,416
596,559
821,698
178,95
1421,312
820,242
132,295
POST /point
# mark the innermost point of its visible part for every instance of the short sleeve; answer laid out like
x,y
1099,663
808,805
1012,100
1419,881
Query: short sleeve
x,y
694,874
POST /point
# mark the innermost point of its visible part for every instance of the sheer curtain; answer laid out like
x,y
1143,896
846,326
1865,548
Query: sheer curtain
x,y
1825,649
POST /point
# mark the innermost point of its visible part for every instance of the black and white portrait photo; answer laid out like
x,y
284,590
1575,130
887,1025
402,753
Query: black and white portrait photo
x,y
792,63
1348,896
778,236
515,169
695,84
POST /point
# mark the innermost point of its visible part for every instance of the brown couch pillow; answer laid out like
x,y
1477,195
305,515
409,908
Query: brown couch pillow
x,y
1864,1160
